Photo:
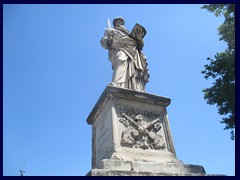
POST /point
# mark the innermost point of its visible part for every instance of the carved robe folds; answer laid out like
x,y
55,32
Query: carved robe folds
x,y
128,63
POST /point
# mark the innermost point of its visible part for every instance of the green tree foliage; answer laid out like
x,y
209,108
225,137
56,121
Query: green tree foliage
x,y
222,68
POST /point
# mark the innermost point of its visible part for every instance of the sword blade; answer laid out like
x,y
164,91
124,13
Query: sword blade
x,y
109,25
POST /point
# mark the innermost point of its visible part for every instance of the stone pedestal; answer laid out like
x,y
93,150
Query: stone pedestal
x,y
131,136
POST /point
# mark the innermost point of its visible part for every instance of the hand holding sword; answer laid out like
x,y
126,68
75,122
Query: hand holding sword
x,y
109,31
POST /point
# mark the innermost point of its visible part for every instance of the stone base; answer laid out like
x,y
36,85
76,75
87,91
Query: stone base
x,y
110,167
104,172
131,136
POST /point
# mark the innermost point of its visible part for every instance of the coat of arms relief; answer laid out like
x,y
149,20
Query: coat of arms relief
x,y
142,129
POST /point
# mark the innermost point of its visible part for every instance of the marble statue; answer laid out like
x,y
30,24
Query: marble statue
x,y
125,52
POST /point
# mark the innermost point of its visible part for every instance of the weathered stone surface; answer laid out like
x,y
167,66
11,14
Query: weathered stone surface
x,y
141,166
106,172
131,137
129,125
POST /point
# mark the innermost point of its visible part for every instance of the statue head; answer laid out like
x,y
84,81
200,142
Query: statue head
x,y
118,21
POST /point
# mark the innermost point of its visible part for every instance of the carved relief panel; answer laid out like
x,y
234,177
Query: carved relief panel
x,y
142,129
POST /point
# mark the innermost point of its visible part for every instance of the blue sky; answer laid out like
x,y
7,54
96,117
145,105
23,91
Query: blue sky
x,y
54,71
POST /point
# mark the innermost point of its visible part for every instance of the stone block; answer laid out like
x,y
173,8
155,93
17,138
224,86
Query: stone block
x,y
131,125
131,136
